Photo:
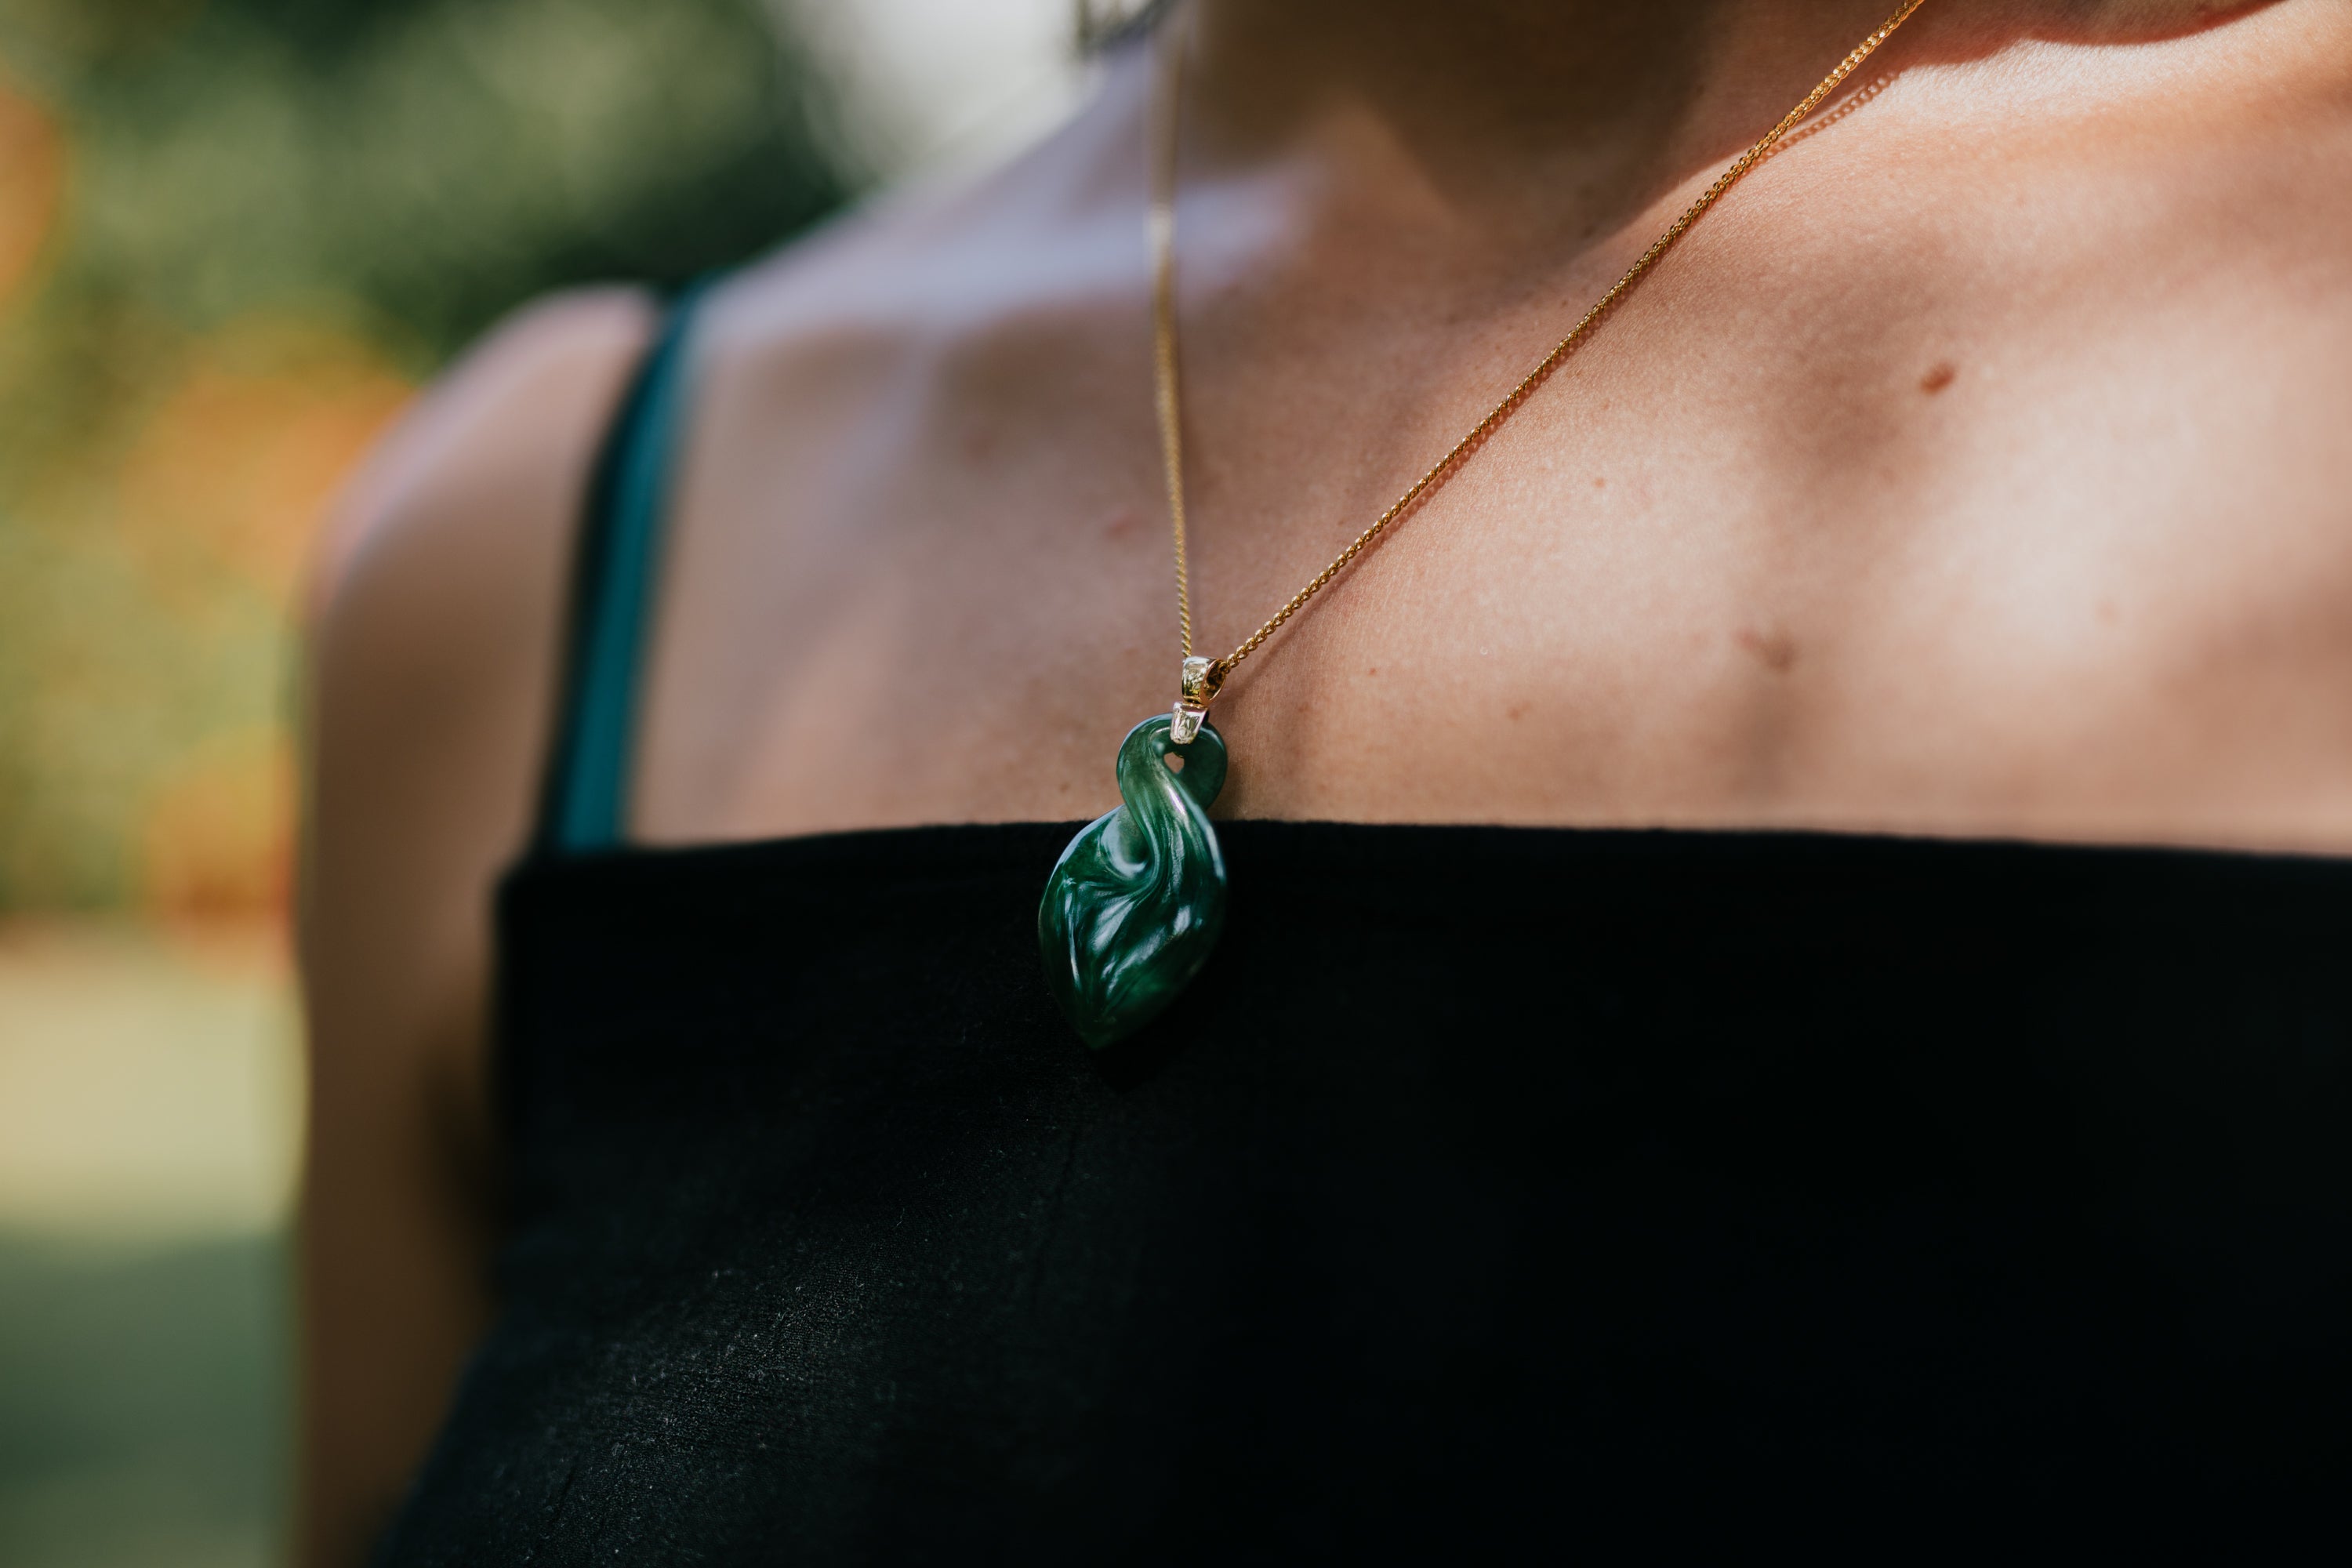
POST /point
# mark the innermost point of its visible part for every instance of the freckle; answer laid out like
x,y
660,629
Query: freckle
x,y
1600,484
1939,377
1776,651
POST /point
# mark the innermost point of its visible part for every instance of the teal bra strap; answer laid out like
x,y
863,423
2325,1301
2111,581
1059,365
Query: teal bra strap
x,y
586,804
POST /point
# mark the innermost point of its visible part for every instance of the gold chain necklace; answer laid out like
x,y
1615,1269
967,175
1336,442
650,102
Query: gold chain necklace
x,y
1136,901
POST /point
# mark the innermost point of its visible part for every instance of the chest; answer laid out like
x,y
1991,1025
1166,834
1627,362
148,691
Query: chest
x,y
1912,545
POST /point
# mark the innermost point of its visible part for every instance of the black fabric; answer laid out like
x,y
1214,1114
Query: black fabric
x,y
1613,1195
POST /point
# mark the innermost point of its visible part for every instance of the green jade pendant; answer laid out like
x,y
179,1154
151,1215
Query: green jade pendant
x,y
1136,901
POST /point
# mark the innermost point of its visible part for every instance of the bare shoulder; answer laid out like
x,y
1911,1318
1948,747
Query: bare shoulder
x,y
2133,255
438,611
466,505
2234,158
437,623
2168,263
436,626
437,620
2211,169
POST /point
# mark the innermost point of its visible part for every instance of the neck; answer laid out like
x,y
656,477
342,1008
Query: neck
x,y
1489,95
1511,74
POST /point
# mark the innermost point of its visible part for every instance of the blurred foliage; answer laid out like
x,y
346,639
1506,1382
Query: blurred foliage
x,y
233,235
431,161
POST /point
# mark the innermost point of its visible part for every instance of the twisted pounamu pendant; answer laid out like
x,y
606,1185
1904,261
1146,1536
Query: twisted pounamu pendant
x,y
1136,903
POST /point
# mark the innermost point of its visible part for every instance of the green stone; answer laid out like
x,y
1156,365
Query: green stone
x,y
1136,903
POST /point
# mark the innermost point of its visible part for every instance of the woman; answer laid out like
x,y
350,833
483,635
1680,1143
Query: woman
x,y
1969,491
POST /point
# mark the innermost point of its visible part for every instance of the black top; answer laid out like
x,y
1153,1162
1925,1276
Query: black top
x,y
1492,1191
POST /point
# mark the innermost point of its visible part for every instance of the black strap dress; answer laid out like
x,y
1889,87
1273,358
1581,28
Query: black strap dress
x,y
1617,1195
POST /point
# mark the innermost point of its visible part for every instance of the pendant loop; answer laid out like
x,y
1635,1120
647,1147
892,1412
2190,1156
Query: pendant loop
x,y
1198,689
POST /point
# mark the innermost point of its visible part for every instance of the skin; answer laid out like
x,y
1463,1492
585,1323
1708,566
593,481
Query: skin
x,y
1983,466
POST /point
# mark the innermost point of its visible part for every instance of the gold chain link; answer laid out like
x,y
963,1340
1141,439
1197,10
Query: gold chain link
x,y
1168,384
1167,388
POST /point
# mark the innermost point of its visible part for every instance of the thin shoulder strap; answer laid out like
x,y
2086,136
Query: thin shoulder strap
x,y
584,804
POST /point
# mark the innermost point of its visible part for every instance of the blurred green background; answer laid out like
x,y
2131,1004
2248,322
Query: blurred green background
x,y
237,231
235,235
